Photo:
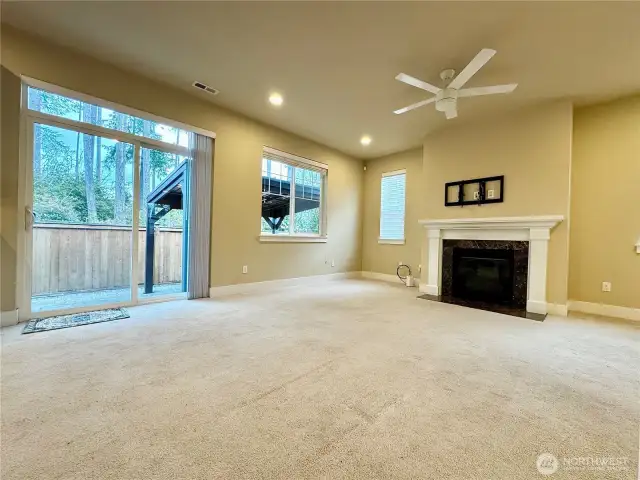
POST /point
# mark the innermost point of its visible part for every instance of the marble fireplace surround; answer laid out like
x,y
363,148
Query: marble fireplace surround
x,y
535,229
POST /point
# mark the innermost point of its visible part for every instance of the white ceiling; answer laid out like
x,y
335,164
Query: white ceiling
x,y
335,63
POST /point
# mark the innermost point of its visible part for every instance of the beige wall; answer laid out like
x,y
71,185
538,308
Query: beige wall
x,y
605,203
237,165
9,130
384,258
532,149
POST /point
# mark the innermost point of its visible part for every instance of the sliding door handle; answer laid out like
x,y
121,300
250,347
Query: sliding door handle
x,y
29,218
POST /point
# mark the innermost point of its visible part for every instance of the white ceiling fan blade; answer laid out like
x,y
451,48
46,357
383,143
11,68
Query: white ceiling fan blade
x,y
474,92
414,106
408,79
452,113
470,70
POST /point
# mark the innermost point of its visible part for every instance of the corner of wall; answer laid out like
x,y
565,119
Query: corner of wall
x,y
383,258
8,318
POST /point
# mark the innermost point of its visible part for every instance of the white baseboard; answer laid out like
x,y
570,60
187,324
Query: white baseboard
x,y
8,318
605,310
557,309
216,292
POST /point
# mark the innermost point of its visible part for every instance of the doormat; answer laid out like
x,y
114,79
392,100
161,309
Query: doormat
x,y
74,320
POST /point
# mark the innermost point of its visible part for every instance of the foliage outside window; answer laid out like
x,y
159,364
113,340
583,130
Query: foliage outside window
x,y
83,178
291,198
72,109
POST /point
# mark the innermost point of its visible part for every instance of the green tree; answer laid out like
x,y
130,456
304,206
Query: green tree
x,y
84,178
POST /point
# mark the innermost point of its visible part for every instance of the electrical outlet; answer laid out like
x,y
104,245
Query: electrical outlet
x,y
420,267
606,286
491,193
333,263
400,263
476,195
245,269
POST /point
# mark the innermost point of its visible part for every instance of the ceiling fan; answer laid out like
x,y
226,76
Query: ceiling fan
x,y
446,99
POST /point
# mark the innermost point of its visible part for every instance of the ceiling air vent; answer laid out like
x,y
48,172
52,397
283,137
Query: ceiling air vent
x,y
206,88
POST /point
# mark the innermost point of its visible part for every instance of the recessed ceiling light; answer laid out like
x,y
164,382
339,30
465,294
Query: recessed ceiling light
x,y
275,99
366,140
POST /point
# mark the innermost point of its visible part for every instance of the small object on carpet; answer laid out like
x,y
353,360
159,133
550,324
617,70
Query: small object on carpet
x,y
73,320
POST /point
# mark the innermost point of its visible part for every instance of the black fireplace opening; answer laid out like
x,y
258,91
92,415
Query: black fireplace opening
x,y
485,275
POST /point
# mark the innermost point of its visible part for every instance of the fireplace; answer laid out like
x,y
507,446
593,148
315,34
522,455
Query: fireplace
x,y
500,263
486,274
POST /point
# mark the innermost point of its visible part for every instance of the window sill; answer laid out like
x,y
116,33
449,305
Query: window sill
x,y
292,239
390,242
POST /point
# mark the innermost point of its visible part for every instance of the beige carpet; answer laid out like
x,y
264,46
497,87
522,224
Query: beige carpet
x,y
350,379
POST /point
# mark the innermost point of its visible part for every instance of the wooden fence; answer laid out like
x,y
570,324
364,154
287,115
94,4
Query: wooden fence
x,y
93,257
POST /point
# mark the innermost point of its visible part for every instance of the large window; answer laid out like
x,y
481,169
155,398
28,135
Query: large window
x,y
292,196
392,207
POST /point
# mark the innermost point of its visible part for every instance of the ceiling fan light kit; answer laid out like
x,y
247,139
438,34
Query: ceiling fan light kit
x,y
446,98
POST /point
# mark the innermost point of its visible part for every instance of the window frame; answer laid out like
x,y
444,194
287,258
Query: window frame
x,y
393,241
293,162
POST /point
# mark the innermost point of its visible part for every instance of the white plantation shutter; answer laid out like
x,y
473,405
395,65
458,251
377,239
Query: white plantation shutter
x,y
392,200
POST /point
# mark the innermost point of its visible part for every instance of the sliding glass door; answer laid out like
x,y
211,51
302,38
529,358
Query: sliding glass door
x,y
81,219
163,247
105,206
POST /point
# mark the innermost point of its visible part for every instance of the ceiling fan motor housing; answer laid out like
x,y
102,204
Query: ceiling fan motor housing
x,y
446,99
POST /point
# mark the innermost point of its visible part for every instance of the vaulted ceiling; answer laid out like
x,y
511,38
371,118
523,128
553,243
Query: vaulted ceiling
x,y
335,63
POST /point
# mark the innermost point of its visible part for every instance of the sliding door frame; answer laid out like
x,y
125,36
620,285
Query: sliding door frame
x,y
25,198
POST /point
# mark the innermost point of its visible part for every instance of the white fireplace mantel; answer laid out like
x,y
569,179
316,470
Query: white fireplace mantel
x,y
535,229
